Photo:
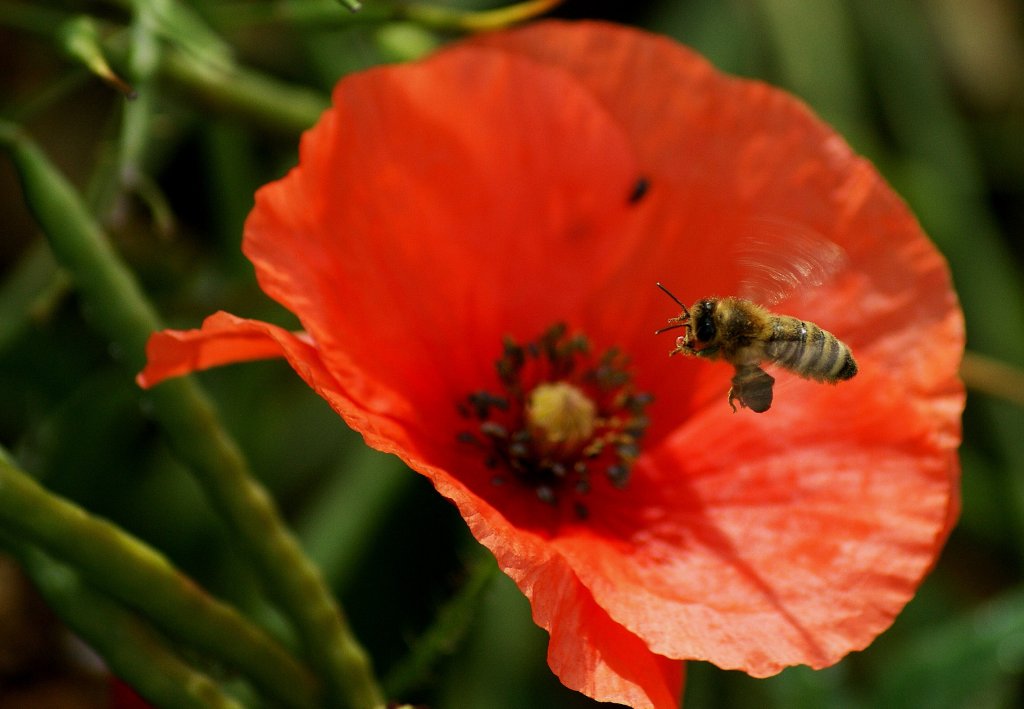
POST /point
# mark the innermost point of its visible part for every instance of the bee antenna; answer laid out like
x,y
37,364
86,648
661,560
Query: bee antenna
x,y
670,327
678,302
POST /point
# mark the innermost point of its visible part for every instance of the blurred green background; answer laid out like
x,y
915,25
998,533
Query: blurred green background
x,y
931,90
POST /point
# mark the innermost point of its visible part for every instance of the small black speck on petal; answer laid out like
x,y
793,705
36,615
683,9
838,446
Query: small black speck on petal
x,y
640,188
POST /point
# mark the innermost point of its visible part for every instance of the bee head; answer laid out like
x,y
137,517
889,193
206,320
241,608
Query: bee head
x,y
704,320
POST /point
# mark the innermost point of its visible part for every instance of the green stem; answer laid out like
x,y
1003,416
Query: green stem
x,y
443,18
351,508
81,41
180,25
144,579
122,313
203,66
447,631
295,583
234,89
80,246
29,291
991,376
143,60
321,14
132,650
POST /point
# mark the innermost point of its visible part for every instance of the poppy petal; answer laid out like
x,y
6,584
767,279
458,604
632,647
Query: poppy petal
x,y
423,201
223,339
588,651
800,550
592,653
804,546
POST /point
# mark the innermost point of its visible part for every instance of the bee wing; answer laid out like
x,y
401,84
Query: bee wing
x,y
776,257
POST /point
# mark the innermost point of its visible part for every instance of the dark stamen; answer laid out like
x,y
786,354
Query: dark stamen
x,y
561,415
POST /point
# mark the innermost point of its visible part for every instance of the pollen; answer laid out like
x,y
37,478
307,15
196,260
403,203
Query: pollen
x,y
560,420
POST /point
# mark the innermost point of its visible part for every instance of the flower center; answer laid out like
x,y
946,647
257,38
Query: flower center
x,y
561,415
560,418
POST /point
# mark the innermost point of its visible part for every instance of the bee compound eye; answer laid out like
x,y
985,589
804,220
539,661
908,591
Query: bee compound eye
x,y
705,329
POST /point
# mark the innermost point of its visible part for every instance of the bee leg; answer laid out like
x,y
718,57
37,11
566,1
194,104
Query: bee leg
x,y
686,349
710,352
752,386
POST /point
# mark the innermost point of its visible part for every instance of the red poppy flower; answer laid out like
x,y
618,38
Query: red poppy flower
x,y
445,215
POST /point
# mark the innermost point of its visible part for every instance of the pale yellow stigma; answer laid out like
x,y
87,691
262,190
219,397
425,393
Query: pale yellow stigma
x,y
560,417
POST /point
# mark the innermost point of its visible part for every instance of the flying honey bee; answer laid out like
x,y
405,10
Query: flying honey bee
x,y
745,335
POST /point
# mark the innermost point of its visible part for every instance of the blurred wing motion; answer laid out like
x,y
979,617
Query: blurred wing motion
x,y
778,257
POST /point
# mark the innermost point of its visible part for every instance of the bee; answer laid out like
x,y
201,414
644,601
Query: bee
x,y
745,335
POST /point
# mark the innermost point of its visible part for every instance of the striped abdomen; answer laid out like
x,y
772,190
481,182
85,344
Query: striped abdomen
x,y
811,352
